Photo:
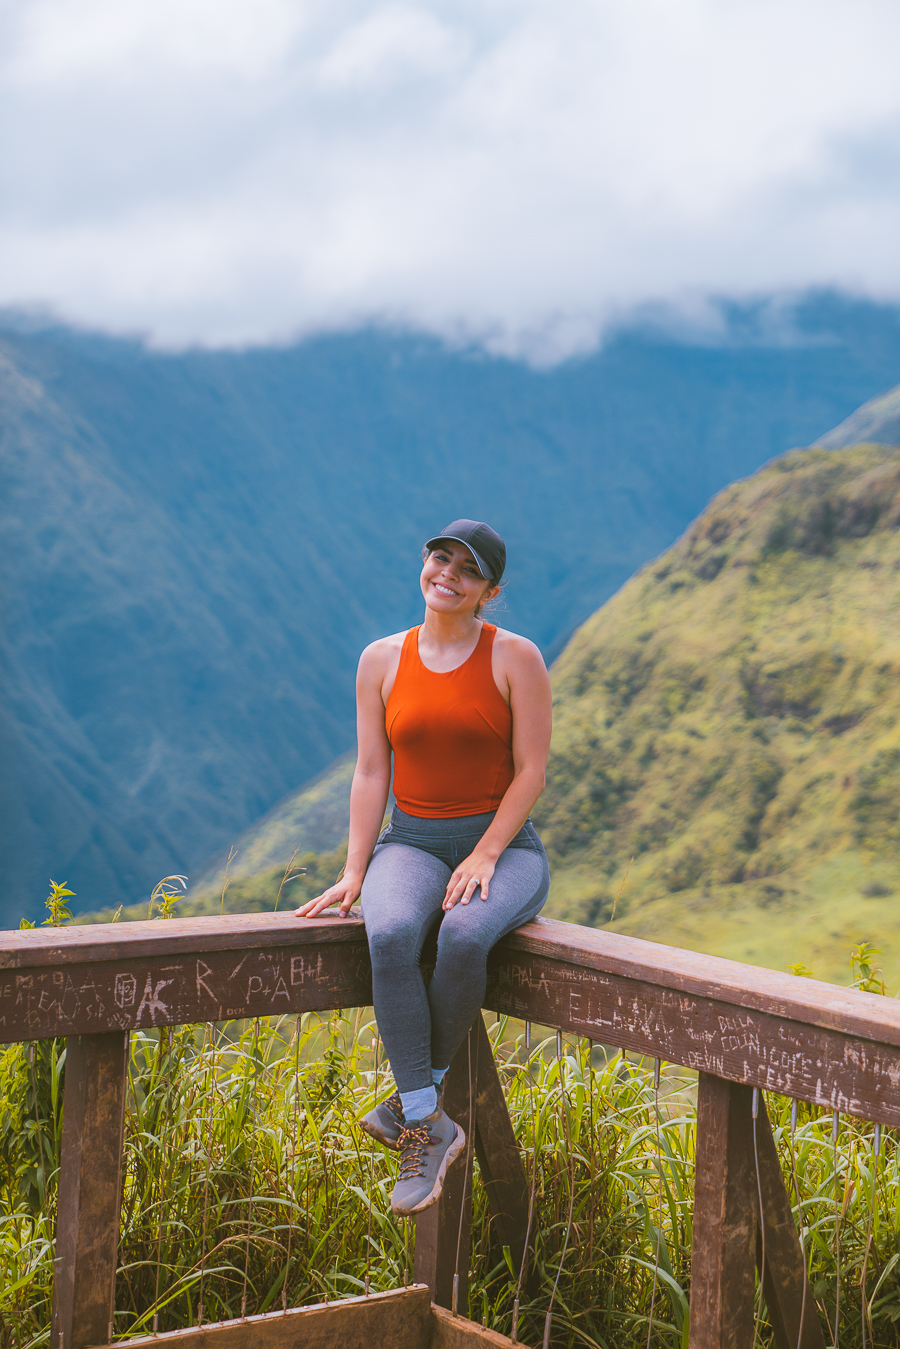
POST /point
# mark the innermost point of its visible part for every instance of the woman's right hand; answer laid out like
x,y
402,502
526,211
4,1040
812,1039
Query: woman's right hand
x,y
341,894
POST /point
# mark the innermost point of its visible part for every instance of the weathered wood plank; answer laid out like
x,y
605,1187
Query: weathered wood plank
x,y
86,943
131,993
725,1218
442,1247
87,1228
454,1332
813,1063
497,1151
785,1284
401,1318
748,986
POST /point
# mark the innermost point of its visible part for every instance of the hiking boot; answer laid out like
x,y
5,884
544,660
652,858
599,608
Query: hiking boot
x,y
385,1123
427,1148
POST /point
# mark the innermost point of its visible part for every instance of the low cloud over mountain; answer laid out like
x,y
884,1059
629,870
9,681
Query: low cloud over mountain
x,y
520,174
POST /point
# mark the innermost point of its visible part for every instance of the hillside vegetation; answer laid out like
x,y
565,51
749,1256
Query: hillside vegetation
x,y
731,720
197,544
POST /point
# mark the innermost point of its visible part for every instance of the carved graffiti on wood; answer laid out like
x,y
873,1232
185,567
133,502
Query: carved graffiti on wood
x,y
841,1072
170,990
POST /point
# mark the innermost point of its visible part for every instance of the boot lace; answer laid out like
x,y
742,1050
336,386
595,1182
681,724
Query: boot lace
x,y
394,1106
412,1144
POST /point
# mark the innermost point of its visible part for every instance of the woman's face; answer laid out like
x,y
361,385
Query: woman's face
x,y
451,581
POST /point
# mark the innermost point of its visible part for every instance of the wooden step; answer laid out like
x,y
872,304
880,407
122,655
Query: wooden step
x,y
402,1319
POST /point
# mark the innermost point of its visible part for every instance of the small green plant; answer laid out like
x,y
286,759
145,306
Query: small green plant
x,y
801,970
867,974
60,912
290,874
165,896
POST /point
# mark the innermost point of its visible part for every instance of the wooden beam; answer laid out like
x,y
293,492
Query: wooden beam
x,y
442,1244
785,1283
499,1158
811,1001
748,987
454,1332
723,1253
87,1227
166,978
94,943
401,1318
791,1048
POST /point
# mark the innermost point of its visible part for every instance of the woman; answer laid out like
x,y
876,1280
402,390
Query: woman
x,y
464,708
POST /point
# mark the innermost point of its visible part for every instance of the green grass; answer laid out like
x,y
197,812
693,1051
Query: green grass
x,y
248,1184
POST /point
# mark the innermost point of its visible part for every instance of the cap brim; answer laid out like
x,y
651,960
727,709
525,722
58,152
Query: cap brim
x,y
432,543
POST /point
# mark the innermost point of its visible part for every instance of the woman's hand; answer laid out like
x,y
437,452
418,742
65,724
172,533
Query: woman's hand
x,y
477,869
342,893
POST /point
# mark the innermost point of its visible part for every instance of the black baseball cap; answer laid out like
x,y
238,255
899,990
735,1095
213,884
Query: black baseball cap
x,y
484,543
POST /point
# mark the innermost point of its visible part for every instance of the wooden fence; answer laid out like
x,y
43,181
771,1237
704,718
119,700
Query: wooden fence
x,y
743,1029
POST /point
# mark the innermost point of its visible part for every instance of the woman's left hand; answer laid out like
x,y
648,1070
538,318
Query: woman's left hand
x,y
477,869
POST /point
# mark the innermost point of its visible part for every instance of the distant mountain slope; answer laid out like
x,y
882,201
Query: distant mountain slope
x,y
876,422
195,547
731,720
313,819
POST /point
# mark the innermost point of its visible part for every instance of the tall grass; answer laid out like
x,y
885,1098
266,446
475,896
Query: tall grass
x,y
249,1187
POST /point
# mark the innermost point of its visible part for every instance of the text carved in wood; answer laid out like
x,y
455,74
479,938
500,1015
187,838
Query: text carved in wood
x,y
835,1070
162,991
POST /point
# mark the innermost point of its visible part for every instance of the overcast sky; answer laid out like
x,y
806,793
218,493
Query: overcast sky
x,y
516,172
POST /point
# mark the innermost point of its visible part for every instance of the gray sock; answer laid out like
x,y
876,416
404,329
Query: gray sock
x,y
418,1104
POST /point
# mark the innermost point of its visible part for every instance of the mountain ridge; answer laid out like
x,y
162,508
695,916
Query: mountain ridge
x,y
877,422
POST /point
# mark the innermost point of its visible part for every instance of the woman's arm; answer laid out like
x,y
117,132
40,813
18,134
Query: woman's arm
x,y
530,702
369,790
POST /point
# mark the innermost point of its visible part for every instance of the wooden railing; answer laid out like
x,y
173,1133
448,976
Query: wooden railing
x,y
740,1027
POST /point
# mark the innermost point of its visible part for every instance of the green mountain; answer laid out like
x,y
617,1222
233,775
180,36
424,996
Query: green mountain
x,y
731,721
196,545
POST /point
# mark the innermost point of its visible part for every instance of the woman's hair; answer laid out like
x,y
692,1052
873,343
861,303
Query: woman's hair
x,y
485,604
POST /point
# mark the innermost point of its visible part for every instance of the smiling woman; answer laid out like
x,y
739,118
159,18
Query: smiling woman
x,y
463,709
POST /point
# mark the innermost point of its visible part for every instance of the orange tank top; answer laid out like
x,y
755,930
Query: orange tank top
x,y
451,734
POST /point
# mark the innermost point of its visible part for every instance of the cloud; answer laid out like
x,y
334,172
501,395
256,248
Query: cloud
x,y
504,171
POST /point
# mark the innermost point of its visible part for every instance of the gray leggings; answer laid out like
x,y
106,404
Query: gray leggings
x,y
401,902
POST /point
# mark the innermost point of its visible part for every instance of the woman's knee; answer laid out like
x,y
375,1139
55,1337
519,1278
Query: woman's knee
x,y
459,941
394,943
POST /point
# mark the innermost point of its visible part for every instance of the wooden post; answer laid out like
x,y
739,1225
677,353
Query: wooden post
x,y
785,1284
90,1180
723,1253
499,1159
438,1228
